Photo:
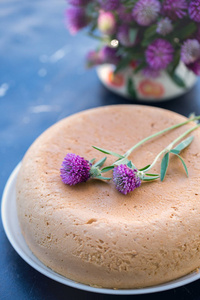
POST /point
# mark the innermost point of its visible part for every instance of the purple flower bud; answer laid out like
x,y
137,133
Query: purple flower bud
x,y
194,10
175,9
109,55
79,2
74,169
76,19
109,5
195,67
159,54
190,51
164,26
125,179
123,35
106,22
93,59
145,12
125,14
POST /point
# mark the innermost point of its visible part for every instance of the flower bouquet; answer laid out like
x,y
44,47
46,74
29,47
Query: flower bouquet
x,y
148,48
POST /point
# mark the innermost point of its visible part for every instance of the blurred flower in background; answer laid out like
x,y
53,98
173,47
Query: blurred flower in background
x,y
156,35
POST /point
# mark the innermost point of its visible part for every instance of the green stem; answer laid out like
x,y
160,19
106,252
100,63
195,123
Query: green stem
x,y
169,147
159,133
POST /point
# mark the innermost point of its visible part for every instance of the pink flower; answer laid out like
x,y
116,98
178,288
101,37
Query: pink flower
x,y
106,22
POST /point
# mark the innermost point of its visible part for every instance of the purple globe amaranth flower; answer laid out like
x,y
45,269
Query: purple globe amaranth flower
x,y
159,54
145,12
125,179
164,26
109,55
175,9
93,59
190,51
106,22
195,67
125,14
123,35
74,169
79,2
76,19
109,5
194,10
150,73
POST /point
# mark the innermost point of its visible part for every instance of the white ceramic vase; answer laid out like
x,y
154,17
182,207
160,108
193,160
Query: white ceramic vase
x,y
131,85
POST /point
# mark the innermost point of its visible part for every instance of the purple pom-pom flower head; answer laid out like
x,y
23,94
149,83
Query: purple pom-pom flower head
x,y
175,9
109,5
76,19
125,179
109,55
190,51
145,12
159,54
164,26
194,10
74,169
125,14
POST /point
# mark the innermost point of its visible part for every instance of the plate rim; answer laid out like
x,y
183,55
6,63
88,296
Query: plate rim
x,y
10,185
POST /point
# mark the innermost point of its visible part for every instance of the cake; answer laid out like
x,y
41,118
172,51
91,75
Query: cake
x,y
90,232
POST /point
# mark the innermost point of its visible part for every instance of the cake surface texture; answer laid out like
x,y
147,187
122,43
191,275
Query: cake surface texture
x,y
90,232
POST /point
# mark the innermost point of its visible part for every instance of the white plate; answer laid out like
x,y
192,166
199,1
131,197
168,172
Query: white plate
x,y
12,229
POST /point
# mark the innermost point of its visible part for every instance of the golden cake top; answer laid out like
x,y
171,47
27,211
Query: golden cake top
x,y
117,128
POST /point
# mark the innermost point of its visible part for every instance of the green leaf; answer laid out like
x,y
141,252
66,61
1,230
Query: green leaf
x,y
123,64
129,164
172,67
177,80
185,143
174,151
149,35
150,31
148,40
100,162
103,178
188,31
152,175
150,178
141,66
144,168
164,165
106,169
131,89
184,165
132,34
122,161
138,56
108,152
92,160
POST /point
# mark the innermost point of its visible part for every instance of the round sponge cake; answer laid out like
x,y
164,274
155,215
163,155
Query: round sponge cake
x,y
95,235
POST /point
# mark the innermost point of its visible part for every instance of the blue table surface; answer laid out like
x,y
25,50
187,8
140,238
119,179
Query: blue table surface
x,y
42,80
